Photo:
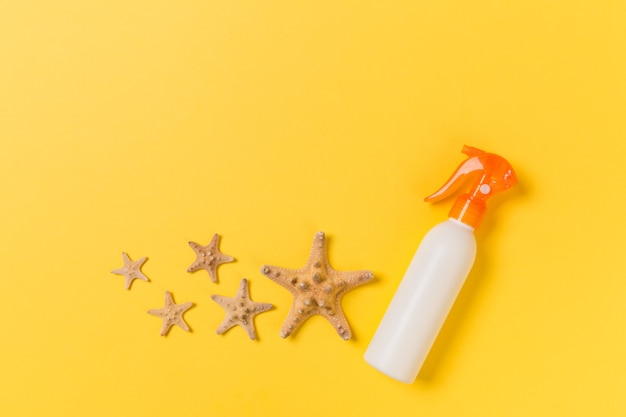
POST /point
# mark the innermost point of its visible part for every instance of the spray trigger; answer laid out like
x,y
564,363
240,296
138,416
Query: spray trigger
x,y
492,174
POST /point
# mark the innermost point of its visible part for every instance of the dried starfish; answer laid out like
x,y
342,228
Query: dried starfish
x,y
172,314
208,257
240,310
131,270
317,288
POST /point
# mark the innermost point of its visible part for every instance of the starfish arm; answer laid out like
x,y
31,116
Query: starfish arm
x,y
223,301
289,325
258,309
229,321
215,240
156,312
127,265
169,301
139,262
195,266
352,279
195,246
262,307
222,259
225,326
141,276
249,328
165,328
130,278
212,273
286,330
129,281
319,252
284,277
126,259
243,294
182,324
294,320
339,322
182,308
243,291
179,320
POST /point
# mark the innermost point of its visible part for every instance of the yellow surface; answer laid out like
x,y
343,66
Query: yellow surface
x,y
140,125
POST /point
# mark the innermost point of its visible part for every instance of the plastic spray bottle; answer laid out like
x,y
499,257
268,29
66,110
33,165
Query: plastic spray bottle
x,y
438,269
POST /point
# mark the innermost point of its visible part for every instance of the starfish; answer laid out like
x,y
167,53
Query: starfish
x,y
131,270
208,257
317,288
172,314
240,310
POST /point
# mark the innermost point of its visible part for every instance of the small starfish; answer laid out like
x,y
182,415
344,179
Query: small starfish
x,y
131,270
240,310
172,314
208,257
317,288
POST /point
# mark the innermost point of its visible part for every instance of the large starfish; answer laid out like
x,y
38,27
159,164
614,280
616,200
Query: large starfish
x,y
208,257
172,314
131,270
240,310
317,288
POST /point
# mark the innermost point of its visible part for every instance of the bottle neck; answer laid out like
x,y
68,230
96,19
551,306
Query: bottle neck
x,y
468,210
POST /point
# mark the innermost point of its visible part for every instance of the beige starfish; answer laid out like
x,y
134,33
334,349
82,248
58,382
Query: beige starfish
x,y
208,257
131,270
317,288
172,314
240,310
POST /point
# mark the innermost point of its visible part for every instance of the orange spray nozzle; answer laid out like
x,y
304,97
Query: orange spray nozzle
x,y
492,174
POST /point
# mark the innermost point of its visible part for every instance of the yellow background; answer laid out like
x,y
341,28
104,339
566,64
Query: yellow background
x,y
140,125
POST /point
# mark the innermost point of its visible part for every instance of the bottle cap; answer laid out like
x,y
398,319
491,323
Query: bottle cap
x,y
492,174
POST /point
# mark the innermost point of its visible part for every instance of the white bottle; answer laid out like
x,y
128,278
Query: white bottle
x,y
437,272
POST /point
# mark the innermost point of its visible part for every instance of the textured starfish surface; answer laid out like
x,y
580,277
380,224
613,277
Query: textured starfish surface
x,y
131,270
317,288
240,310
172,314
208,257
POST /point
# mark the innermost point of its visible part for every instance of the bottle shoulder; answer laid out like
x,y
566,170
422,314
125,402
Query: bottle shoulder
x,y
451,232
